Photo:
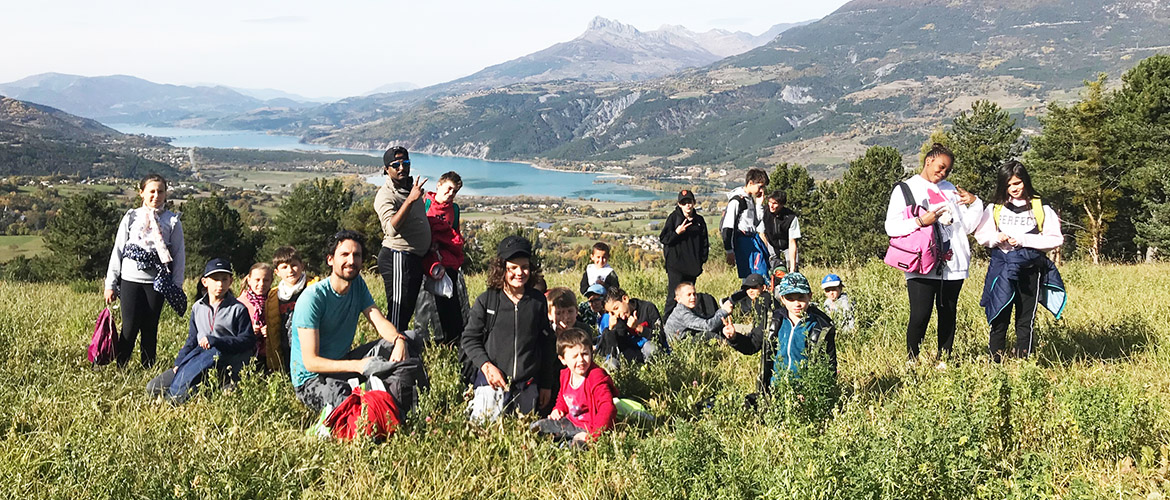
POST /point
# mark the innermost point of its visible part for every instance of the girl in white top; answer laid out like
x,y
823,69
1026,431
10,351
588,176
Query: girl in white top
x,y
954,212
149,229
1014,220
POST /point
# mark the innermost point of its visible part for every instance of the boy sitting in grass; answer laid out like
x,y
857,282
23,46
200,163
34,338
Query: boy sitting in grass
x,y
634,330
800,333
837,302
282,299
220,337
687,322
562,310
584,407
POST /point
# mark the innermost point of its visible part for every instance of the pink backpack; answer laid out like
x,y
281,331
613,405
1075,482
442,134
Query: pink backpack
x,y
101,347
917,252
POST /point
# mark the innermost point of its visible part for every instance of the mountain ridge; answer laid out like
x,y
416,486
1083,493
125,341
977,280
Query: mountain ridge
x,y
873,72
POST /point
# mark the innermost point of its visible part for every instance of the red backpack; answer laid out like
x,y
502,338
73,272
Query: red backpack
x,y
371,411
101,347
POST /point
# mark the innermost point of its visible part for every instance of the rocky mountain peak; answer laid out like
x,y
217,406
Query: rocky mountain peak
x,y
604,26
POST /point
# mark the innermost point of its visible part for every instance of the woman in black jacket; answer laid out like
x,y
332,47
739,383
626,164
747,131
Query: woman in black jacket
x,y
508,342
685,245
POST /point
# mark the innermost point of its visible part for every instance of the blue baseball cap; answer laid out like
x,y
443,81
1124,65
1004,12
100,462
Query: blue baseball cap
x,y
217,265
830,280
595,289
792,283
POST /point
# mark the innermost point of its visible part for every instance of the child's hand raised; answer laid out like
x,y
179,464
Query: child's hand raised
x,y
728,328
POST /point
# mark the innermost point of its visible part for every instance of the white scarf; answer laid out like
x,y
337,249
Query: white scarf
x,y
285,291
146,233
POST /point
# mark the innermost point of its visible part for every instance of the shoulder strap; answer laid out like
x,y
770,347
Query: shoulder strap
x,y
426,204
741,206
995,210
493,304
906,194
1038,213
456,214
130,221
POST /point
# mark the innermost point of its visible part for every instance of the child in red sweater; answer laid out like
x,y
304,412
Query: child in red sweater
x,y
584,407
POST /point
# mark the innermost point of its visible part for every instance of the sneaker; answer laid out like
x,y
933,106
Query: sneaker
x,y
319,429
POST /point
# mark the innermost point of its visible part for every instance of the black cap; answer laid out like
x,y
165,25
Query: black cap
x,y
686,195
217,265
392,154
514,246
753,280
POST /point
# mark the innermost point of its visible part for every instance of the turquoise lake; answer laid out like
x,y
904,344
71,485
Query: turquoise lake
x,y
480,177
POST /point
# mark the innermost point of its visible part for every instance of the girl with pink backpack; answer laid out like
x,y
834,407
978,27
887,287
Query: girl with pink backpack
x,y
930,217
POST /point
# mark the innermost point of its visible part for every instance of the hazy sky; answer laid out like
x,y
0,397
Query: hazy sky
x,y
332,48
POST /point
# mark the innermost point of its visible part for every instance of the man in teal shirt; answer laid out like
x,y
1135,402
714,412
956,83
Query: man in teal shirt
x,y
325,322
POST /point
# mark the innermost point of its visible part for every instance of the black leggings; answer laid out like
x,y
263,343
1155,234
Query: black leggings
x,y
1026,287
402,273
141,307
926,294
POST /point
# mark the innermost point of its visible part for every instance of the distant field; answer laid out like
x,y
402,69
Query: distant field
x,y
263,180
12,247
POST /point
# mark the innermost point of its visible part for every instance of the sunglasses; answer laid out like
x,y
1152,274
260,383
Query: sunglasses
x,y
399,164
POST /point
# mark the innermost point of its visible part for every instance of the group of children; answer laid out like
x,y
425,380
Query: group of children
x,y
612,327
507,338
228,329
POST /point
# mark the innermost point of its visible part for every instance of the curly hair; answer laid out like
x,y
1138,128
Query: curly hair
x,y
497,268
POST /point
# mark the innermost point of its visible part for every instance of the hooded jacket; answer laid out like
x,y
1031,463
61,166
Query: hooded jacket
x,y
520,341
600,391
687,252
788,345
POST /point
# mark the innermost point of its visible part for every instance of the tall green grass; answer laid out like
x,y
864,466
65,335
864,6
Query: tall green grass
x,y
1086,418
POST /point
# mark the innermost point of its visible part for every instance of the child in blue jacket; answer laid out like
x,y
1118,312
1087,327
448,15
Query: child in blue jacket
x,y
800,333
220,337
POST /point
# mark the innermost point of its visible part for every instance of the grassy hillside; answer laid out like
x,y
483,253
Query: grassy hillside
x,y
1087,418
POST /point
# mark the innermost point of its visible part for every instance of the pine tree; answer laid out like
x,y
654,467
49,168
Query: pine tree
x,y
854,218
1074,166
309,215
1143,121
82,234
211,229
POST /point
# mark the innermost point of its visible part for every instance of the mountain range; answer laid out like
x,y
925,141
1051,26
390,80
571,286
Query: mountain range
x,y
40,140
873,72
128,99
606,51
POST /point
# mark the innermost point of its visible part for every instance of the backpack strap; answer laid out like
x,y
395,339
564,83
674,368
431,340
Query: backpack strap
x,y
426,204
906,194
1038,213
740,208
456,215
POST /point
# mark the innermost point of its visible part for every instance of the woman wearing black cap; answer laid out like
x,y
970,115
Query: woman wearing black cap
x,y
685,245
508,346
